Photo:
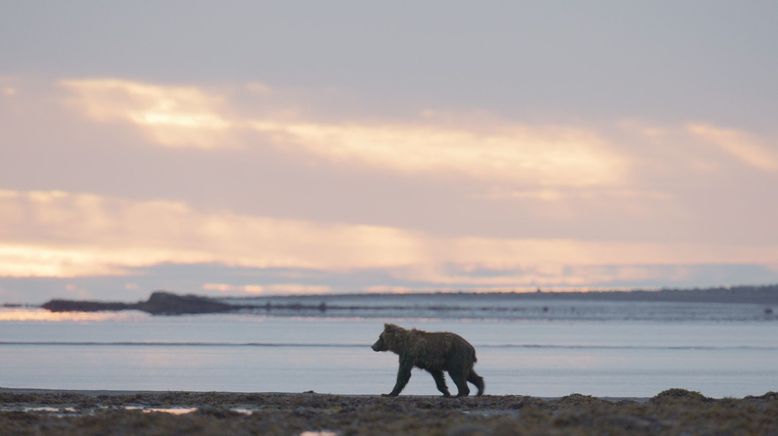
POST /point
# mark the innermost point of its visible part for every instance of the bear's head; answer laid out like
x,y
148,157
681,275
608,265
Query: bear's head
x,y
388,338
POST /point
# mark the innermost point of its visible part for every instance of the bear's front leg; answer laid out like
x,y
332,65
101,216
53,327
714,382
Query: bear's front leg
x,y
440,381
403,375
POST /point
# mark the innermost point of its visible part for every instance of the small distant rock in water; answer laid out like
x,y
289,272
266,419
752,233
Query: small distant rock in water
x,y
768,311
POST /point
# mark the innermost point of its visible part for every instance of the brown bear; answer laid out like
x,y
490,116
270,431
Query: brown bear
x,y
434,352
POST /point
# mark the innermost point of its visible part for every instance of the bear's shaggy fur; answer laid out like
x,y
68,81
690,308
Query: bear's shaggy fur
x,y
434,352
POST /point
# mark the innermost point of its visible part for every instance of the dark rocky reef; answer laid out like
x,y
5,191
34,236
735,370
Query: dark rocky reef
x,y
159,303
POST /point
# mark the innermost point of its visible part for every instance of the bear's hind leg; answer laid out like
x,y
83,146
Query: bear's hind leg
x,y
459,375
477,380
440,381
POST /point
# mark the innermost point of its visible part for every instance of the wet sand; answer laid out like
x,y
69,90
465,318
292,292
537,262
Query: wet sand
x,y
676,411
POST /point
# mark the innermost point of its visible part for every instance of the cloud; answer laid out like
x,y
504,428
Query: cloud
x,y
58,234
388,289
8,86
740,145
267,289
76,230
29,260
529,202
561,194
556,275
173,116
177,116
537,156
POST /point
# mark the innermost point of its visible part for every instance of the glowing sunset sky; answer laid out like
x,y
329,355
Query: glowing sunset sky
x,y
258,148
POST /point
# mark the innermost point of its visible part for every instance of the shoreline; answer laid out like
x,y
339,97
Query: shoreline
x,y
47,411
228,394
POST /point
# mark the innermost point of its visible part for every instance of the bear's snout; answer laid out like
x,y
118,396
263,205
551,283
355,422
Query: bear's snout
x,y
378,346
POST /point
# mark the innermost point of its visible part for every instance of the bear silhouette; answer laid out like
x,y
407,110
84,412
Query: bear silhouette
x,y
433,352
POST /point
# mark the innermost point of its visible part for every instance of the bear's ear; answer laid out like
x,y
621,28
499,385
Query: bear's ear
x,y
391,328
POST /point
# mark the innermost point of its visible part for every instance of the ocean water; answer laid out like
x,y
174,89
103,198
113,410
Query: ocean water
x,y
553,350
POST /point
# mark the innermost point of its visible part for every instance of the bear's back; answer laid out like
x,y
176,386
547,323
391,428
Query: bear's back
x,y
434,350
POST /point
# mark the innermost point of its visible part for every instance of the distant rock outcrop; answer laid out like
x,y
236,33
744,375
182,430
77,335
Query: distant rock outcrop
x,y
85,306
159,303
166,303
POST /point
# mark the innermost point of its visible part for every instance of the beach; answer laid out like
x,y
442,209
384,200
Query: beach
x,y
675,411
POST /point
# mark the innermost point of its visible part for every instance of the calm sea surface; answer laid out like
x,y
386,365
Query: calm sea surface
x,y
719,350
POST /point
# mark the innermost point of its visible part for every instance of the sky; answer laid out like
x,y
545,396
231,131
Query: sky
x,y
263,148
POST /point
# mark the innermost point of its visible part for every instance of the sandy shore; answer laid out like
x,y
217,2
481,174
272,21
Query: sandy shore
x,y
30,411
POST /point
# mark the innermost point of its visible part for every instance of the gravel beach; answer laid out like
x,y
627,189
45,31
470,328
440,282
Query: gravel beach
x,y
676,411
